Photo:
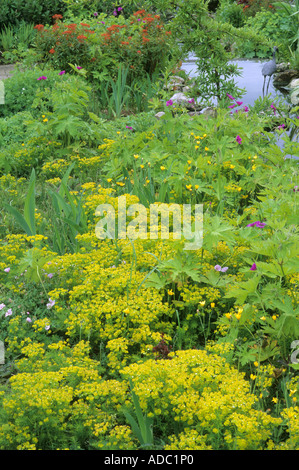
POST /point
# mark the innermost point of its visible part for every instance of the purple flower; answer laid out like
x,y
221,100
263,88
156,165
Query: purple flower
x,y
103,22
230,96
9,312
50,275
239,103
232,106
273,107
95,14
238,139
253,267
50,303
256,224
295,189
62,72
28,319
129,127
119,9
42,78
246,109
115,13
281,126
2,306
169,103
6,270
219,268
79,68
191,101
260,224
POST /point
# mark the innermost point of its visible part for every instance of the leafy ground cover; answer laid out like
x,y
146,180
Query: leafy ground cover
x,y
134,342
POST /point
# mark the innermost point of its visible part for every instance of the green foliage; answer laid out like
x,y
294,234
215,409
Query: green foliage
x,y
14,12
27,222
21,88
231,13
205,37
292,13
274,26
142,344
143,427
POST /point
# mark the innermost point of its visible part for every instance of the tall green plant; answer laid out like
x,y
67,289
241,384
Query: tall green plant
x,y
26,221
205,38
118,90
141,424
70,217
292,10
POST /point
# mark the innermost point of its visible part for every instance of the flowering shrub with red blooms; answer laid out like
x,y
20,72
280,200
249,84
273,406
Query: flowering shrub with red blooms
x,y
64,43
251,7
141,42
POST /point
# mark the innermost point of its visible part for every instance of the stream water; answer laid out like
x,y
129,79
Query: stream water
x,y
251,79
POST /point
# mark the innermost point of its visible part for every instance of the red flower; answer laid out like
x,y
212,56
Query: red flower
x,y
39,27
57,17
139,12
52,51
81,37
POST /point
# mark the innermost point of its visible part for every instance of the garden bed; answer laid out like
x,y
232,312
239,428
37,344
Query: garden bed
x,y
124,339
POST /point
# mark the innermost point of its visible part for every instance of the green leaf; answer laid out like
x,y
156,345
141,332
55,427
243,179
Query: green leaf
x,y
19,218
27,222
142,426
243,290
217,230
29,209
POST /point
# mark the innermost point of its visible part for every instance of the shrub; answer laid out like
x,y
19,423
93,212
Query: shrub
x,y
14,12
270,25
21,89
100,48
231,13
64,43
252,7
